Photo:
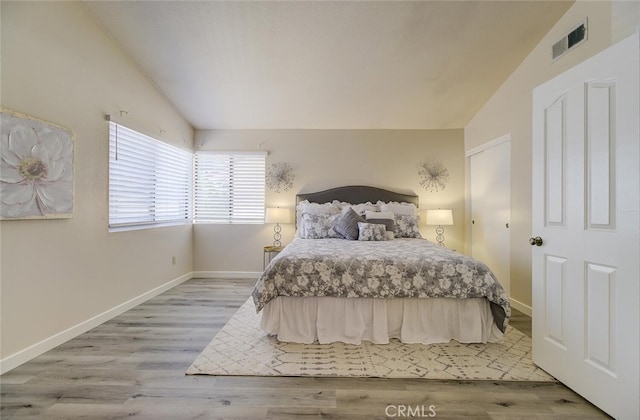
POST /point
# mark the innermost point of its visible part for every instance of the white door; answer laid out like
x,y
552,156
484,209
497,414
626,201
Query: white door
x,y
586,172
490,207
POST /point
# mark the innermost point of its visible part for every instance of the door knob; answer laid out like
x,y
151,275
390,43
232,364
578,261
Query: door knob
x,y
537,241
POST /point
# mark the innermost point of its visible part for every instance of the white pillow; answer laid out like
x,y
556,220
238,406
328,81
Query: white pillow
x,y
316,208
379,215
358,208
398,208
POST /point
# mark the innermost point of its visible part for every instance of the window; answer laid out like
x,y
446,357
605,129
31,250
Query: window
x,y
149,181
229,187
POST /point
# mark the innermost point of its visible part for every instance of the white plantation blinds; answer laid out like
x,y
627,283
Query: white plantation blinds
x,y
149,180
229,187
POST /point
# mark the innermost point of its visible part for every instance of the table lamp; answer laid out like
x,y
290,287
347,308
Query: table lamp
x,y
277,215
440,217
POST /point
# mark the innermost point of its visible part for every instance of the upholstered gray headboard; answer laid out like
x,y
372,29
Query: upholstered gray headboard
x,y
356,194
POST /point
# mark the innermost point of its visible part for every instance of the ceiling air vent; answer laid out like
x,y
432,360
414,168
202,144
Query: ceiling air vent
x,y
571,40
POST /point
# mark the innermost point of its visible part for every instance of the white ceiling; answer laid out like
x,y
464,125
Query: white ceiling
x,y
325,64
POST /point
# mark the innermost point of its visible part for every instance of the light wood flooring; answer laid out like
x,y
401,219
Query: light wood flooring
x,y
133,366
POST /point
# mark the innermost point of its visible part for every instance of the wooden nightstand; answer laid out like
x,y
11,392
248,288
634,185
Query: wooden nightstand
x,y
269,252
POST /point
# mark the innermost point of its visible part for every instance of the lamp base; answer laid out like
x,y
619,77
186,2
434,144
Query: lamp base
x,y
276,235
440,235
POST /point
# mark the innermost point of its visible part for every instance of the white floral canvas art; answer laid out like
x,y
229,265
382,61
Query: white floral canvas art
x,y
36,168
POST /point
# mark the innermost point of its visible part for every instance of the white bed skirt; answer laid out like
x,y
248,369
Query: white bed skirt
x,y
328,319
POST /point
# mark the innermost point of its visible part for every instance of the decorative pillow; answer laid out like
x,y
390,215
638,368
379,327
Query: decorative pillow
x,y
407,226
305,207
347,224
398,208
371,232
389,226
319,226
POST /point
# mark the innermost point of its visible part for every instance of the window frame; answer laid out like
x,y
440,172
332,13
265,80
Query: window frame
x,y
240,177
150,181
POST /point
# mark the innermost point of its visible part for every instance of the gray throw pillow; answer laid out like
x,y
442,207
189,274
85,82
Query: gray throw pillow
x,y
388,223
347,225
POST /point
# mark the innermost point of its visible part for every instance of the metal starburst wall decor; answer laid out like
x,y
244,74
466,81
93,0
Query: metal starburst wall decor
x,y
434,176
280,177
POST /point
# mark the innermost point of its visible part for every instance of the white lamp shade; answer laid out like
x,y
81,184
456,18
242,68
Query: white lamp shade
x,y
277,215
440,217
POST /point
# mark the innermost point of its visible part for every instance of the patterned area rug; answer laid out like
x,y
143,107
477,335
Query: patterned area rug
x,y
242,348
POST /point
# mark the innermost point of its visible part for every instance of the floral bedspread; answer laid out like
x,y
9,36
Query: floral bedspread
x,y
399,268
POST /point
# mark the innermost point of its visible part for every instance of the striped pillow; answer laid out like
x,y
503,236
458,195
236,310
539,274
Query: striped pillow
x,y
347,225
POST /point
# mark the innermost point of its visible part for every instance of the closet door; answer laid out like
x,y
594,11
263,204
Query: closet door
x,y
490,197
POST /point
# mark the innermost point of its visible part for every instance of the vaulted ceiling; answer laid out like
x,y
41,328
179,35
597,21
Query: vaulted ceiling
x,y
328,64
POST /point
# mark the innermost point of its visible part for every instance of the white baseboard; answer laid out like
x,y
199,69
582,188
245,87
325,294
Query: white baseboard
x,y
226,274
525,309
23,356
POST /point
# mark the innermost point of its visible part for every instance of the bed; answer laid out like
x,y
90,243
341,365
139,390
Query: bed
x,y
358,269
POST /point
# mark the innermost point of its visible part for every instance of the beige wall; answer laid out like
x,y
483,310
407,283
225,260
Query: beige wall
x,y
509,111
59,66
328,158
